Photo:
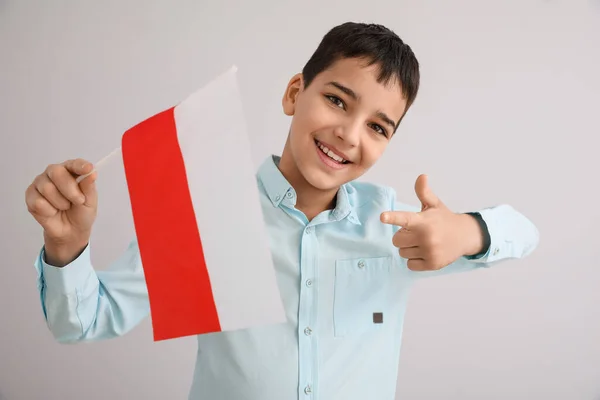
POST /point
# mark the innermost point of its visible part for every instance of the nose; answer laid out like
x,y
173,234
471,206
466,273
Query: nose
x,y
349,133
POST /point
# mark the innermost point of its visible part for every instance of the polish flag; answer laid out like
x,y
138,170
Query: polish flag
x,y
197,216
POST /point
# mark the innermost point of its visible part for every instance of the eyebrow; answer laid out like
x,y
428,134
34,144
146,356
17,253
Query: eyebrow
x,y
345,89
387,120
355,96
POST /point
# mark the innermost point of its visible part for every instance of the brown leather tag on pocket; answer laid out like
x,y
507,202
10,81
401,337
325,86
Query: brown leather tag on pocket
x,y
377,318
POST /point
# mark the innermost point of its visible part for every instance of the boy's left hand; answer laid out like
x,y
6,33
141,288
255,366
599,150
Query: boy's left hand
x,y
434,237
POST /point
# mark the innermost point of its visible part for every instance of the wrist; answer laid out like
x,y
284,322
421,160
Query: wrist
x,y
59,254
473,234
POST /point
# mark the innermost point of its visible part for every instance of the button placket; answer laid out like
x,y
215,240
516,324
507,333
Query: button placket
x,y
307,312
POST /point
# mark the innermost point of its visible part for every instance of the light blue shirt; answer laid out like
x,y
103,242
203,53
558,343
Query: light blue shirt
x,y
344,288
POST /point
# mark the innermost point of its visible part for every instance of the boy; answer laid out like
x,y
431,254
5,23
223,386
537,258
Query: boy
x,y
343,266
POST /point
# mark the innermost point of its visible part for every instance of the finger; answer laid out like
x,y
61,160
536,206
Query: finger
x,y
86,178
88,187
417,265
426,196
37,205
405,219
64,181
405,238
411,253
48,190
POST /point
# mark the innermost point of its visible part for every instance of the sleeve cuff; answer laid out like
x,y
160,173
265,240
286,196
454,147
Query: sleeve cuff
x,y
69,278
495,250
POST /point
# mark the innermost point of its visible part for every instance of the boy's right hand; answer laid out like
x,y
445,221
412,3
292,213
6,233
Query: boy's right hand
x,y
65,209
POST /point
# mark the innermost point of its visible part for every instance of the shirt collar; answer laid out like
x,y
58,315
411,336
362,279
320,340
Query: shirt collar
x,y
275,184
279,190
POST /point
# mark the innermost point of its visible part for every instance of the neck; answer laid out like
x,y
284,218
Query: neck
x,y
310,200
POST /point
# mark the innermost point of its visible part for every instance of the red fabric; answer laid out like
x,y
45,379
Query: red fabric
x,y
179,288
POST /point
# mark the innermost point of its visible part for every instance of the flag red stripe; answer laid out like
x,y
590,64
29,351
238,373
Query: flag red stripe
x,y
179,288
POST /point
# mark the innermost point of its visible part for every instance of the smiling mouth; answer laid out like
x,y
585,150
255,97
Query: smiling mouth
x,y
329,153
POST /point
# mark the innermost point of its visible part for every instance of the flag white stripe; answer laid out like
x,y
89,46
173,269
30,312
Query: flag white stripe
x,y
225,197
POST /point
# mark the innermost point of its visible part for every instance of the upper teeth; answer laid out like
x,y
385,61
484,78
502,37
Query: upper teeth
x,y
330,153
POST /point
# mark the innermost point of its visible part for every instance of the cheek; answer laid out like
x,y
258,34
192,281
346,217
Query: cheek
x,y
314,116
372,149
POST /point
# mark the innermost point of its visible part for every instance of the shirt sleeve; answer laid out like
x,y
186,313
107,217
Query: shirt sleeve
x,y
82,305
511,236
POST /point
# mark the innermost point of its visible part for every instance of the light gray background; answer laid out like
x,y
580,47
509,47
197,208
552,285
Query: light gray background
x,y
507,113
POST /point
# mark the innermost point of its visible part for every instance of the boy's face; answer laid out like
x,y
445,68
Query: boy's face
x,y
345,113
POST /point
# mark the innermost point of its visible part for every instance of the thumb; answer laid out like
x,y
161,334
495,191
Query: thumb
x,y
426,196
88,187
85,176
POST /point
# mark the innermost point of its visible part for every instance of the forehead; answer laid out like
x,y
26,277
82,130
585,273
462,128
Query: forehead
x,y
357,75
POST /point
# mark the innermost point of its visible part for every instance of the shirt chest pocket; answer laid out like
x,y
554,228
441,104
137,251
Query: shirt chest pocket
x,y
361,295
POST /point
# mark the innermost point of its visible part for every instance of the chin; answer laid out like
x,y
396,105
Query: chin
x,y
323,183
322,180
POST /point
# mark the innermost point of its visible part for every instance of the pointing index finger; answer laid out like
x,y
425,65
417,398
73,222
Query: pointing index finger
x,y
400,218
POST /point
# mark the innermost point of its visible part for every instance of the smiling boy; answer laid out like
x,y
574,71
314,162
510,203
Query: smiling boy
x,y
344,267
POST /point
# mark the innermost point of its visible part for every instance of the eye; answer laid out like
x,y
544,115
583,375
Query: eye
x,y
336,101
377,128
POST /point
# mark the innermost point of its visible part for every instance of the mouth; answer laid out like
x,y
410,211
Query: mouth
x,y
330,157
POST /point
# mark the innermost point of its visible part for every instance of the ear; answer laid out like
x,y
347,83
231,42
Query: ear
x,y
290,97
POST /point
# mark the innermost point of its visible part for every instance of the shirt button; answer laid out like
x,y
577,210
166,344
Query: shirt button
x,y
308,282
307,389
289,194
361,264
496,251
277,197
308,331
309,230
